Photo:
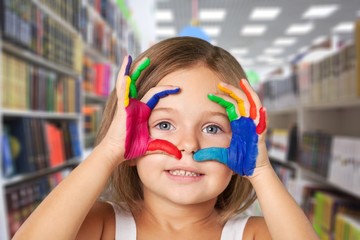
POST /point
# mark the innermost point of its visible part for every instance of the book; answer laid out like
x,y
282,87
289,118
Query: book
x,y
8,168
22,145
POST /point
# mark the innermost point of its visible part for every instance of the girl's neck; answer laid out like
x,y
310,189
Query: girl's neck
x,y
174,216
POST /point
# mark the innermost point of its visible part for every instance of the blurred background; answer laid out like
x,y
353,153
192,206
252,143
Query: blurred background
x,y
59,60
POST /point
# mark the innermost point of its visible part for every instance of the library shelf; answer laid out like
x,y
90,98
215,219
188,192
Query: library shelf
x,y
28,176
282,110
40,114
311,175
96,98
55,16
34,58
321,179
96,54
333,105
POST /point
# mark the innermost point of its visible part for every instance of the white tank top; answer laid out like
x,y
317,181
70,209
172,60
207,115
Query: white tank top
x,y
126,227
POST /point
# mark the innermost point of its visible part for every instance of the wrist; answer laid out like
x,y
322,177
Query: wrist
x,y
262,174
110,153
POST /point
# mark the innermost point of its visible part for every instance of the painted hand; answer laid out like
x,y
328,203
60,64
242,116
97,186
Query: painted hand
x,y
242,153
138,141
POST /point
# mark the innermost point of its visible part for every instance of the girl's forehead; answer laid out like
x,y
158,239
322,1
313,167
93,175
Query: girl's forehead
x,y
197,77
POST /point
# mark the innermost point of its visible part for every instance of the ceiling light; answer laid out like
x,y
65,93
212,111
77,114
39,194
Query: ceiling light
x,y
265,13
212,31
321,11
303,49
263,58
285,41
291,57
164,16
253,30
245,61
344,27
274,51
298,29
239,51
319,40
212,14
165,31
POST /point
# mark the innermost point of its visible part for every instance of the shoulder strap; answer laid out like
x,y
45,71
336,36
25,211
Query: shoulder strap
x,y
234,227
125,227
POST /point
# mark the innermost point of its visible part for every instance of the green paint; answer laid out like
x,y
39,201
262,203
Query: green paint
x,y
134,77
229,107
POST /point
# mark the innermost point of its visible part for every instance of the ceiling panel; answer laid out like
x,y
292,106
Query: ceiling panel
x,y
237,16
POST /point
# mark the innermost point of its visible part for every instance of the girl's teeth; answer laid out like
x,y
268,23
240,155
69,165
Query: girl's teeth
x,y
183,173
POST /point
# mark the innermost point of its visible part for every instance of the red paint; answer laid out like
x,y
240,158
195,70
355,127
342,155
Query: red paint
x,y
262,121
165,146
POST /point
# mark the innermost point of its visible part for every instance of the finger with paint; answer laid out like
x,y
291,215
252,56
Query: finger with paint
x,y
242,153
138,141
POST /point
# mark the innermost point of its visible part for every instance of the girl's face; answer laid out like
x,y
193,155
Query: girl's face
x,y
190,121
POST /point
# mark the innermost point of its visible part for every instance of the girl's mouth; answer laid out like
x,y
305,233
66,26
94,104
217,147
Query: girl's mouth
x,y
184,173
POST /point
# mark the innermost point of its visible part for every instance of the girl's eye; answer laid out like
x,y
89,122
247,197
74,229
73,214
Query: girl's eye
x,y
164,126
211,129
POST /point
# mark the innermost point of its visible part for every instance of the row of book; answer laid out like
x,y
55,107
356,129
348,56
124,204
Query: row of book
x,y
336,158
24,198
27,26
103,39
347,227
69,10
92,118
344,169
111,14
98,78
323,76
315,152
279,92
30,144
332,211
29,87
330,78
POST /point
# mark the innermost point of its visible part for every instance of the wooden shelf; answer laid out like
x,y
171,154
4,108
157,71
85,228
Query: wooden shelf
x,y
40,114
34,58
334,105
95,98
309,174
56,17
28,176
284,110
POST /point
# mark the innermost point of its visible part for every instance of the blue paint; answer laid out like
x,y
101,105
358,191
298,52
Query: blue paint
x,y
241,155
127,70
155,99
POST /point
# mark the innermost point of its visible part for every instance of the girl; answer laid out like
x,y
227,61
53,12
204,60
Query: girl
x,y
182,149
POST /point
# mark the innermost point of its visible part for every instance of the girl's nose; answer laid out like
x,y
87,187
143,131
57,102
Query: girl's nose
x,y
189,142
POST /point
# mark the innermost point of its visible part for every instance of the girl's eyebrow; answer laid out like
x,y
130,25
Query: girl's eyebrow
x,y
215,113
163,109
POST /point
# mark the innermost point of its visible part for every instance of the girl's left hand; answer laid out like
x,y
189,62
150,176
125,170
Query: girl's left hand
x,y
248,129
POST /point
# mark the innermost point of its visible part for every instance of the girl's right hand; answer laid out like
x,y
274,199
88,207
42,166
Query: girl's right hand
x,y
128,135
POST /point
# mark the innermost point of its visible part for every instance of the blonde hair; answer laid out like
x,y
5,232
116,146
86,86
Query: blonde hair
x,y
166,57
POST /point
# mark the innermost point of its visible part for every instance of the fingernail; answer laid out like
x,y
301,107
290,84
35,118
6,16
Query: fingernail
x,y
127,70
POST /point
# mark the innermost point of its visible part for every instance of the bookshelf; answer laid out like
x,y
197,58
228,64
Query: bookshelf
x,y
43,70
322,100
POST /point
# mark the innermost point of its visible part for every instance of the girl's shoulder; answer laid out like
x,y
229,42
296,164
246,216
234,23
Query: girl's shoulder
x,y
256,228
99,223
